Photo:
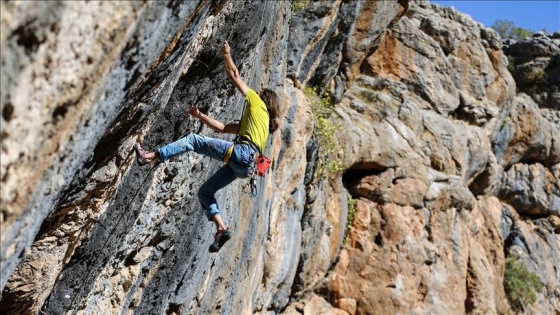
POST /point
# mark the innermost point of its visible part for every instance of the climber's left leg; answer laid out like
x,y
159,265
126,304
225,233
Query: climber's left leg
x,y
223,177
206,195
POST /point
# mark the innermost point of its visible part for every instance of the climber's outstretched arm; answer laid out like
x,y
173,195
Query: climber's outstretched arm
x,y
231,70
214,124
231,128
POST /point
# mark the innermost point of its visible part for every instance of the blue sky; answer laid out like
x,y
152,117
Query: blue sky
x,y
533,15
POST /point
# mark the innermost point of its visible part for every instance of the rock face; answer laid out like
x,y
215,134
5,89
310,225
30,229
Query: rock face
x,y
534,65
449,160
450,168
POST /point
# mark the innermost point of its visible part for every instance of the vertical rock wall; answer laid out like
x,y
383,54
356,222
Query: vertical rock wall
x,y
113,236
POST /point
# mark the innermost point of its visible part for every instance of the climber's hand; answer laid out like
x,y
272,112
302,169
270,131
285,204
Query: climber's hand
x,y
226,49
194,112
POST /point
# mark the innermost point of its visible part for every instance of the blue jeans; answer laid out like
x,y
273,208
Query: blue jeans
x,y
237,167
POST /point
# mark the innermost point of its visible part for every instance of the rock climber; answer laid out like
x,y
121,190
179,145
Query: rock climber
x,y
261,117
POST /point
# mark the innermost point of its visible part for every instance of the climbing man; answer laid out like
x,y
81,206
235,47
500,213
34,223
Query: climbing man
x,y
261,117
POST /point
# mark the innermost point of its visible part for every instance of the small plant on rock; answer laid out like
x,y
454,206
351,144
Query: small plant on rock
x,y
511,63
351,211
351,215
368,96
520,284
538,76
325,132
298,5
506,122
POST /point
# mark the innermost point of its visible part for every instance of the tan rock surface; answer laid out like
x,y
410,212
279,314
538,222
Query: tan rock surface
x,y
425,168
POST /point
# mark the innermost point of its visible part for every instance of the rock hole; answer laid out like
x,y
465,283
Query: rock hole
x,y
356,172
471,292
8,112
481,183
174,309
55,28
379,239
361,170
129,260
26,38
130,63
61,110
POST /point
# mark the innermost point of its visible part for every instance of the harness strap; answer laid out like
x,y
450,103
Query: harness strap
x,y
228,154
244,140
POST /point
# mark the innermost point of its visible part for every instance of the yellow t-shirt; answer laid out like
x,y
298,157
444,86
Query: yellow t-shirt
x,y
254,123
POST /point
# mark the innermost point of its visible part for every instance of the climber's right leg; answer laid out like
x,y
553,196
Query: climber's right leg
x,y
144,157
210,147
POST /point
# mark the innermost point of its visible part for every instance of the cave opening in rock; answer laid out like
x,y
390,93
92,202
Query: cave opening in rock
x,y
358,171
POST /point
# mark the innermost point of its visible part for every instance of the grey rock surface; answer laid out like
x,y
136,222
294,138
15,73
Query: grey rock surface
x,y
534,63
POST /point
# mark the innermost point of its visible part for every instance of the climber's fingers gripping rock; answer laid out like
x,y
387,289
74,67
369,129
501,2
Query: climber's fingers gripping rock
x,y
193,111
225,48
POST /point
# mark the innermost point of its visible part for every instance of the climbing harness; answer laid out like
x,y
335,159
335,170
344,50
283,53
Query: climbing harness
x,y
228,154
258,168
261,162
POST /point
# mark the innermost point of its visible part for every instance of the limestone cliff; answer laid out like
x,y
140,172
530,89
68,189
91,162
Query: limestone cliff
x,y
454,162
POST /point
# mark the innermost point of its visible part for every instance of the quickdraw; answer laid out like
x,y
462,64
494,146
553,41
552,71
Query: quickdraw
x,y
251,187
259,168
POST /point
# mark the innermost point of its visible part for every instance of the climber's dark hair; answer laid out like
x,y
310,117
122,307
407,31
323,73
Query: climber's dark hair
x,y
272,101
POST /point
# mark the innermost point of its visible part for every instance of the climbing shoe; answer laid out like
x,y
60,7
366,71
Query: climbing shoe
x,y
140,154
220,239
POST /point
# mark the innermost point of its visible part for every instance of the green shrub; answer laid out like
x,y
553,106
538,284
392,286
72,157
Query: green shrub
x,y
538,76
298,5
367,96
507,30
506,122
511,63
520,284
351,215
351,211
325,132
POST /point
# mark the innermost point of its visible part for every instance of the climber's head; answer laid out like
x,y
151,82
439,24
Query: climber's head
x,y
270,98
